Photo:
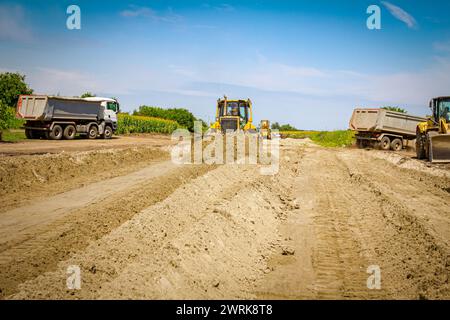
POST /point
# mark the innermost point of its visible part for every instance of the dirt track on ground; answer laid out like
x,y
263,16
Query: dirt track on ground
x,y
161,231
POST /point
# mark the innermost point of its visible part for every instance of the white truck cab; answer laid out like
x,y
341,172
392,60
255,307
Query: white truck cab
x,y
112,108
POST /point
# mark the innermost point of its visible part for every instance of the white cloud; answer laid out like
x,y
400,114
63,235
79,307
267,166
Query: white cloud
x,y
401,14
13,25
146,12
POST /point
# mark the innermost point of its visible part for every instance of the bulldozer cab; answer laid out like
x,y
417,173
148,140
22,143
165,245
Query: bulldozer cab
x,y
233,115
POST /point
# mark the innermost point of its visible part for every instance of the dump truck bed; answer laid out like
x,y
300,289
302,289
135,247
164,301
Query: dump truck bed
x,y
49,108
381,120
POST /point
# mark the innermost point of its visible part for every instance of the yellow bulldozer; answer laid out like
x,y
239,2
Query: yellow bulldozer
x,y
433,136
233,115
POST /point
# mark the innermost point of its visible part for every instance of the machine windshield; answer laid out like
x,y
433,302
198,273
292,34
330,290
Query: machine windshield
x,y
238,109
444,109
112,106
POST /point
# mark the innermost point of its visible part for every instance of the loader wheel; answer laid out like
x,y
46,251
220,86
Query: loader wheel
x,y
56,133
93,132
397,145
70,132
385,143
420,146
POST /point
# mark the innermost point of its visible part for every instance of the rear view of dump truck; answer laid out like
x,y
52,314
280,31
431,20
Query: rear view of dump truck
x,y
388,130
55,118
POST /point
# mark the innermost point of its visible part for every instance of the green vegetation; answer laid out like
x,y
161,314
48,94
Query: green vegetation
x,y
11,86
396,109
87,95
141,124
283,127
13,135
338,138
182,116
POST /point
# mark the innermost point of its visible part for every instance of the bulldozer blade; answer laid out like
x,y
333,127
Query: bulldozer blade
x,y
440,148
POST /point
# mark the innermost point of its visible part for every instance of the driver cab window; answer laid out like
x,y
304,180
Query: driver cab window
x,y
232,109
243,111
111,106
444,110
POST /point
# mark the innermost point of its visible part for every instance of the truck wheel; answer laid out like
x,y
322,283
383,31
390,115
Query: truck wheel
x,y
107,133
397,144
385,143
56,133
29,133
420,146
93,132
69,132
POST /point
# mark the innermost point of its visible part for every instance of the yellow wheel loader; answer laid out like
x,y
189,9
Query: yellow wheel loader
x,y
433,136
264,129
233,115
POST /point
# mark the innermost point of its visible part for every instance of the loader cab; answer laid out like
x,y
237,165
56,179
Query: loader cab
x,y
441,109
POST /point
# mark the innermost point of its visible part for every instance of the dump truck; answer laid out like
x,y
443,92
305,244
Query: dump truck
x,y
233,115
386,129
433,135
55,118
264,129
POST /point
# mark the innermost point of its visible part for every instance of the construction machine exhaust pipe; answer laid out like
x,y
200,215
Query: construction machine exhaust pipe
x,y
439,148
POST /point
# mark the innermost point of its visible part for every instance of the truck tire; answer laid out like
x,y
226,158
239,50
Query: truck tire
x,y
56,133
93,132
385,143
29,133
420,146
69,132
397,144
107,133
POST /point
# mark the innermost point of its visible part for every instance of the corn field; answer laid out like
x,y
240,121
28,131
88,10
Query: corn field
x,y
141,124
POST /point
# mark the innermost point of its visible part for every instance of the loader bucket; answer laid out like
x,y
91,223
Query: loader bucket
x,y
440,148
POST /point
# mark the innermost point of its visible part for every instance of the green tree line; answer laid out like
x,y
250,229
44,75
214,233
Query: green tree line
x,y
12,85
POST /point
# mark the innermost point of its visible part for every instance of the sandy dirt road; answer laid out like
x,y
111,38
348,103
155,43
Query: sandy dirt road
x,y
225,232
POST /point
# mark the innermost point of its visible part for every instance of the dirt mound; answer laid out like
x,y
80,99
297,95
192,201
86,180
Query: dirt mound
x,y
26,177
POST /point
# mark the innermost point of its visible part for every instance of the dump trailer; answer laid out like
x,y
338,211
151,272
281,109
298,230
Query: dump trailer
x,y
433,135
383,128
55,118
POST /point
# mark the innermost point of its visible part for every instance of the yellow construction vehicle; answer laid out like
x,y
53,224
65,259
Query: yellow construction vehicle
x,y
264,129
433,136
233,115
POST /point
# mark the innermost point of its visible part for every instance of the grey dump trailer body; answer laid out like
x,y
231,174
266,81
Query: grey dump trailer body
x,y
46,108
59,117
383,127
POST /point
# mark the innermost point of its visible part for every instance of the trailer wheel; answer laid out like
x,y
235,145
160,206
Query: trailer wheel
x,y
397,144
107,133
29,133
69,132
93,132
56,133
385,143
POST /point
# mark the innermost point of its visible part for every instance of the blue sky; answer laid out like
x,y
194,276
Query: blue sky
x,y
307,63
